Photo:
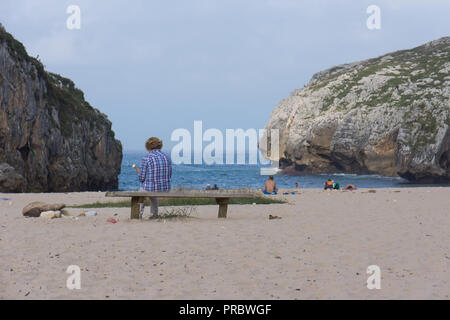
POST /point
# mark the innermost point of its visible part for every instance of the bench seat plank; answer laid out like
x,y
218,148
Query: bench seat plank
x,y
137,197
125,194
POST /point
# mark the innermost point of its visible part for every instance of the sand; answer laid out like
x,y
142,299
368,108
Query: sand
x,y
320,249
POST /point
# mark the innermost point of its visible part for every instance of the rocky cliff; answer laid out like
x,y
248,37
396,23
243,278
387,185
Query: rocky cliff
x,y
51,139
389,115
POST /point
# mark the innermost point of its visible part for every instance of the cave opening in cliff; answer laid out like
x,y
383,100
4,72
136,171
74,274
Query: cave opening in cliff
x,y
444,160
24,151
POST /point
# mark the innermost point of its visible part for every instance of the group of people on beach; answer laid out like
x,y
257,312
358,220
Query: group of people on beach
x,y
270,186
331,185
155,174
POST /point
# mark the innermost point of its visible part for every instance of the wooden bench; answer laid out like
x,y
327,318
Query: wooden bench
x,y
138,197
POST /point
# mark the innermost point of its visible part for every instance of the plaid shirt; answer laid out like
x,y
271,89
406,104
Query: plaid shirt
x,y
156,171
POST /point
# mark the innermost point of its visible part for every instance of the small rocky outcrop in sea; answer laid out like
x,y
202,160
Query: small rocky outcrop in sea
x,y
51,139
389,115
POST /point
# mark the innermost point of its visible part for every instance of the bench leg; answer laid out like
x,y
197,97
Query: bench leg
x,y
135,208
223,207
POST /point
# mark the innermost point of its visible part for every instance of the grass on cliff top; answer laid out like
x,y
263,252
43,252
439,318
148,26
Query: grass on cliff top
x,y
429,59
424,56
182,202
71,106
17,51
61,92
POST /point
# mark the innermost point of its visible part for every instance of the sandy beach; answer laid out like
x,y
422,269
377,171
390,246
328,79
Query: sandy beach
x,y
319,249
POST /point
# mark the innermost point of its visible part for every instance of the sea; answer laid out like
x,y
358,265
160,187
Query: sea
x,y
248,176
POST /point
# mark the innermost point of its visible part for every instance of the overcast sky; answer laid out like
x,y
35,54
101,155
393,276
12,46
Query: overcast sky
x,y
154,66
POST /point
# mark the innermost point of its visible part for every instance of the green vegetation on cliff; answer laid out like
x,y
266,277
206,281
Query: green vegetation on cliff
x,y
61,92
69,102
19,53
427,60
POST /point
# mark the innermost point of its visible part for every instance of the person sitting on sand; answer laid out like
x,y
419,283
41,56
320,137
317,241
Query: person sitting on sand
x,y
270,187
350,187
329,184
155,173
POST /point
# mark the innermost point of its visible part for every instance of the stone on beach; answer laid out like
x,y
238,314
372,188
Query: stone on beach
x,y
85,213
51,214
34,209
65,213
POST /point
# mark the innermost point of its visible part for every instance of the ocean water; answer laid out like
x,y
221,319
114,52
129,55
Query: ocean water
x,y
247,177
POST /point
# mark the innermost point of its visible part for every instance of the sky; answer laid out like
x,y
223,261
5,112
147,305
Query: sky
x,y
155,66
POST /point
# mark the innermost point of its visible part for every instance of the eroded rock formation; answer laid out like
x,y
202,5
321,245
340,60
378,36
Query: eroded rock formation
x,y
51,139
389,115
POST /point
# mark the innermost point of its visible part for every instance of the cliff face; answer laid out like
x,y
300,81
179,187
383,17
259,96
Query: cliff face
x,y
389,115
51,139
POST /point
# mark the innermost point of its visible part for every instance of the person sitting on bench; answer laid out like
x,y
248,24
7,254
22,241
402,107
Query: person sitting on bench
x,y
155,173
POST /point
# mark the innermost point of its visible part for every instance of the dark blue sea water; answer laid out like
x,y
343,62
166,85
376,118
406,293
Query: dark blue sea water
x,y
247,177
